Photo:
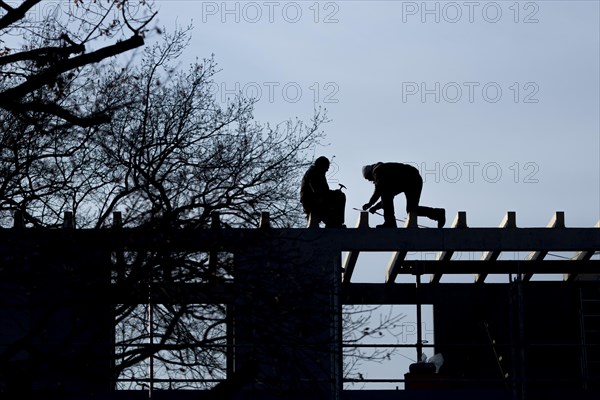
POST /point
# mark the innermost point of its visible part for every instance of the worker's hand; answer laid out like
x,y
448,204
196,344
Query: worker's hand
x,y
376,207
366,206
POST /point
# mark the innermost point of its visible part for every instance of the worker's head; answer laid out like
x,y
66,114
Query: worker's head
x,y
322,163
367,172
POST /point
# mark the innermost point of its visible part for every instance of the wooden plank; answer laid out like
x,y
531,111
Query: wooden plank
x,y
265,220
342,240
18,219
395,262
460,267
352,256
582,255
224,292
557,221
509,221
460,221
68,220
395,265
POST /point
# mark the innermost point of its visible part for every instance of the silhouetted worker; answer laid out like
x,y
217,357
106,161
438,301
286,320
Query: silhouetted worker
x,y
319,202
391,179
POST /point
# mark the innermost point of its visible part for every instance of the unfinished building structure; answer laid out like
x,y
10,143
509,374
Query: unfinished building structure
x,y
521,339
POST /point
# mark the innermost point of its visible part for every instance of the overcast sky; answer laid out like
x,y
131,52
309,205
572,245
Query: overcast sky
x,y
497,103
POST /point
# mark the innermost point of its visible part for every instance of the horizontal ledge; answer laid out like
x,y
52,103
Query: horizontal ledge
x,y
440,293
414,267
352,293
353,239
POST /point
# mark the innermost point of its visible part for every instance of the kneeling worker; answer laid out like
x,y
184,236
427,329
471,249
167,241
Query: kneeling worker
x,y
320,202
391,179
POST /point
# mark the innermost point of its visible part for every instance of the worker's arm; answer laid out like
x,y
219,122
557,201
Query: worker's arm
x,y
376,195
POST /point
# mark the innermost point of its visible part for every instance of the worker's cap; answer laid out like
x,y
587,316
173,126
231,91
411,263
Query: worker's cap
x,y
322,162
367,171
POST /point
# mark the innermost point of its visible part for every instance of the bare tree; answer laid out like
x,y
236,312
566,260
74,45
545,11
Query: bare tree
x,y
60,47
51,57
175,157
364,325
152,142
180,155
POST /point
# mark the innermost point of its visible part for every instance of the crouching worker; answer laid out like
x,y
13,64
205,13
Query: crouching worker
x,y
391,179
320,203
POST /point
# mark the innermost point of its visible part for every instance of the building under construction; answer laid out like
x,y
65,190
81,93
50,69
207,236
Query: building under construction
x,y
283,338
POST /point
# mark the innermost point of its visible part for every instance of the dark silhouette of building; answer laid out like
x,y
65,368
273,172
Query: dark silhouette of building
x,y
524,339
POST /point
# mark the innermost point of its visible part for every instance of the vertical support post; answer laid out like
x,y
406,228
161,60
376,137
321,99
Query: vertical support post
x,y
337,334
230,341
265,220
583,350
418,304
215,220
213,254
521,315
68,220
151,344
117,221
117,224
518,335
18,220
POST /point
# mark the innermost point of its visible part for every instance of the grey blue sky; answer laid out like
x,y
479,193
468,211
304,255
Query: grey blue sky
x,y
497,103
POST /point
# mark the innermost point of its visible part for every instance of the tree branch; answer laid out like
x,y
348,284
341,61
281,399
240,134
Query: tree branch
x,y
58,111
39,54
15,14
10,96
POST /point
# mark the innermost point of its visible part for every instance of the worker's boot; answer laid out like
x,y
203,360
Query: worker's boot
x,y
388,224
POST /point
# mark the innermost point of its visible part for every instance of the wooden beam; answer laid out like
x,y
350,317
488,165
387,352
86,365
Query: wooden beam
x,y
395,262
352,256
342,240
582,255
265,220
406,294
18,219
218,292
395,265
460,221
557,221
499,266
68,220
509,221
